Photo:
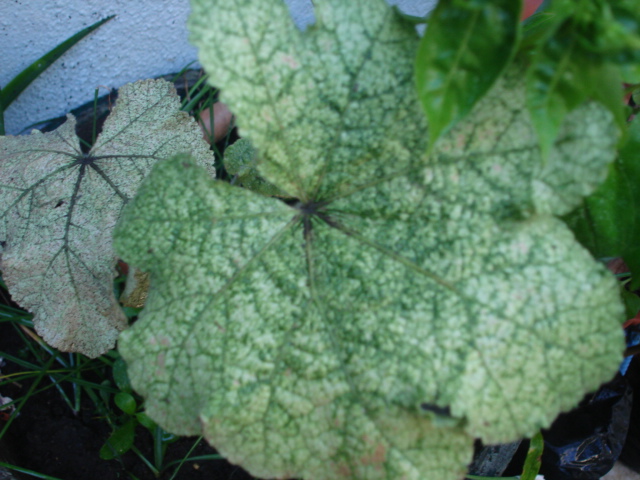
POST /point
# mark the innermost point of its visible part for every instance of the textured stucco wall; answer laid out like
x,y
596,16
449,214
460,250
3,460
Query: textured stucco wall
x,y
146,39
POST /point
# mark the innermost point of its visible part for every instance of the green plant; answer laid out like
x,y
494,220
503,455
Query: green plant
x,y
109,400
376,312
568,53
396,304
100,382
130,418
572,52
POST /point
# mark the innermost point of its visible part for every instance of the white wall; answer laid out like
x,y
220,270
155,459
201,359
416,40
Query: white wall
x,y
147,38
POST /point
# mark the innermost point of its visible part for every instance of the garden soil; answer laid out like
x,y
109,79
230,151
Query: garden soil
x,y
49,438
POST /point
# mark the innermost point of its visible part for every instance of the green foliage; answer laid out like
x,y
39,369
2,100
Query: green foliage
x,y
534,458
120,441
59,206
572,52
454,71
122,438
608,222
101,384
241,162
404,304
415,289
578,58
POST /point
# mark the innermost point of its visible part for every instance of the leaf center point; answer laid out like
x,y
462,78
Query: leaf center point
x,y
311,208
85,160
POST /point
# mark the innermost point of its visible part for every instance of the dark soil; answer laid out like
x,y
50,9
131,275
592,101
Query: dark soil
x,y
49,438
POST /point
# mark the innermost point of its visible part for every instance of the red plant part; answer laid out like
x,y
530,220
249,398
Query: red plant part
x,y
529,8
632,321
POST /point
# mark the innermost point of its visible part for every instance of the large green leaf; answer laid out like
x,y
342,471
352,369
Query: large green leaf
x,y
403,305
59,207
454,71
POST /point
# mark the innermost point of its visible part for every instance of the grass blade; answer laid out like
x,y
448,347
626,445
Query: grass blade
x,y
26,471
21,81
1,115
534,458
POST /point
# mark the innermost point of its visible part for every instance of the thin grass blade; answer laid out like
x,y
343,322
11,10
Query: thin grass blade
x,y
26,471
21,81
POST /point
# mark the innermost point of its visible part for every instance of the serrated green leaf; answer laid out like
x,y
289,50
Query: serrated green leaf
x,y
454,71
59,207
317,338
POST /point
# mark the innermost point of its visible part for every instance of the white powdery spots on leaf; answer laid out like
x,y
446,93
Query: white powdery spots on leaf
x,y
309,339
532,322
61,205
561,184
301,119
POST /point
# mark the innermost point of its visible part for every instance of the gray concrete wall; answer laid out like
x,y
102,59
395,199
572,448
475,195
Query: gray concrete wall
x,y
147,38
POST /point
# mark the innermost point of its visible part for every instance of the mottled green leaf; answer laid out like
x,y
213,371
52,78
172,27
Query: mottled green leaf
x,y
317,143
59,207
454,70
608,222
280,402
241,162
403,305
